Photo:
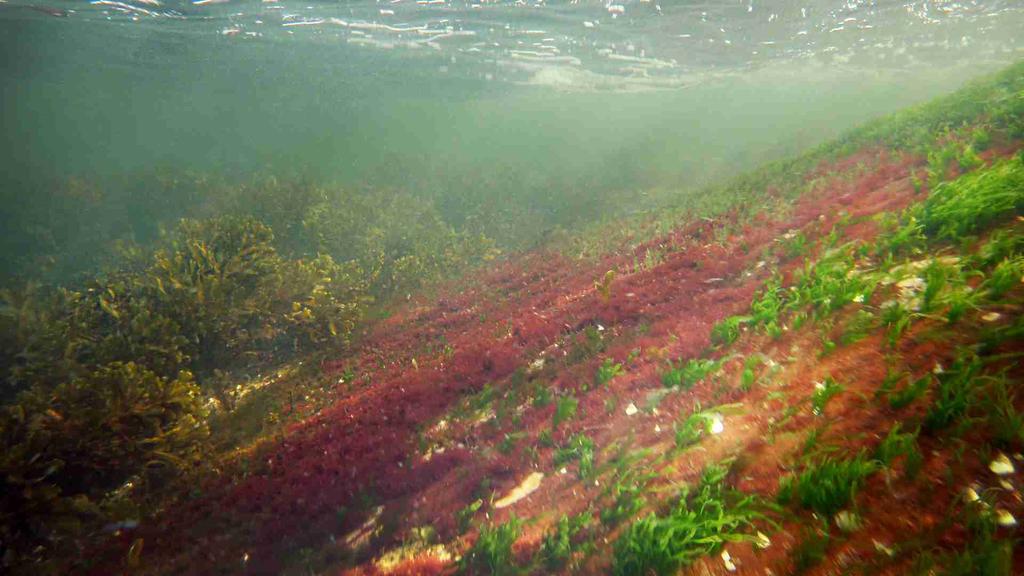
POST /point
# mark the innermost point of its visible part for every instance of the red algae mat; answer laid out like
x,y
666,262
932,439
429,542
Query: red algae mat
x,y
317,483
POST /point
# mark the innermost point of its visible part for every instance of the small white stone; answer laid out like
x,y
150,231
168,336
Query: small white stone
x,y
1001,465
991,317
631,409
657,429
563,470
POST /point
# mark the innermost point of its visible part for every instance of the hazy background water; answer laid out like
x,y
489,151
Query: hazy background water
x,y
527,97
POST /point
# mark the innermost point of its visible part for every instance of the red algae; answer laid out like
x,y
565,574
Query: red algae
x,y
365,446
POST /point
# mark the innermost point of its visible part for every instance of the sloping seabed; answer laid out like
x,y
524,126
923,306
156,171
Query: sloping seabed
x,y
818,376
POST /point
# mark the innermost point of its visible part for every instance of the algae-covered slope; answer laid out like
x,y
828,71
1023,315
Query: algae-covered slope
x,y
815,371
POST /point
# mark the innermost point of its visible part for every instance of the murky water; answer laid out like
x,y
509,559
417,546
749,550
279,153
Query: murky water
x,y
412,93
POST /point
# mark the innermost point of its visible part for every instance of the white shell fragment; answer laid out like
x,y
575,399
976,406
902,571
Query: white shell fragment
x,y
1004,518
847,521
717,424
971,495
528,486
727,560
1001,465
884,549
537,365
911,284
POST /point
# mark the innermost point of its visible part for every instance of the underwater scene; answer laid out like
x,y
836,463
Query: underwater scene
x,y
511,287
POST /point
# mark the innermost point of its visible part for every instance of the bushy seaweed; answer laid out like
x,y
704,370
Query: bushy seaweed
x,y
685,375
905,396
727,331
565,409
558,546
627,494
581,449
823,392
215,297
768,306
1006,275
67,448
606,371
898,444
974,201
112,375
1004,420
827,485
700,524
829,284
985,553
695,426
491,554
812,548
955,394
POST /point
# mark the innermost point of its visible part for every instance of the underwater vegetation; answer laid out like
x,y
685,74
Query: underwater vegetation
x,y
108,381
68,446
827,486
492,552
827,367
700,524
398,240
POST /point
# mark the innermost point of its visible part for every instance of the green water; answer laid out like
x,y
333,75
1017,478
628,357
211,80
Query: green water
x,y
510,104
